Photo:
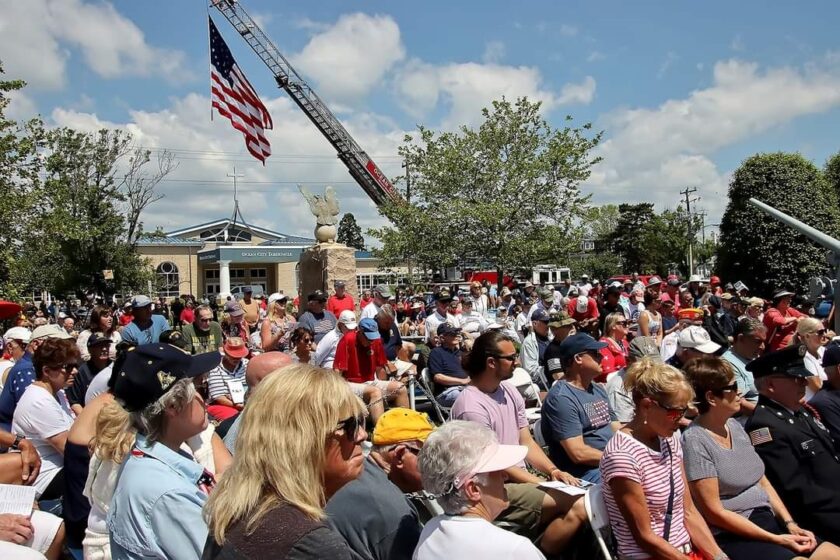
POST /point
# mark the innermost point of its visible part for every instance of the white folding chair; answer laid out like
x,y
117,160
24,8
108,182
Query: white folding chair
x,y
536,430
528,389
599,520
426,383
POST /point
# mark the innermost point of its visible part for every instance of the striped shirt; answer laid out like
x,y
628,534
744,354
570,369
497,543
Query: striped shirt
x,y
626,457
217,379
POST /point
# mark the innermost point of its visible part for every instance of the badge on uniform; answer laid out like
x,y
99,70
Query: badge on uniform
x,y
759,436
807,445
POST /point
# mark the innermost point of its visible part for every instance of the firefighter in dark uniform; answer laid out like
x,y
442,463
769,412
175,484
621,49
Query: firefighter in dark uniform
x,y
796,448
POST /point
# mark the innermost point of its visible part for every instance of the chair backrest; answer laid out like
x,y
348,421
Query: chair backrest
x,y
538,434
521,378
599,520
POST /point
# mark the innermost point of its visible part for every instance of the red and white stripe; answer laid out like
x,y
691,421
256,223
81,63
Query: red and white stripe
x,y
242,106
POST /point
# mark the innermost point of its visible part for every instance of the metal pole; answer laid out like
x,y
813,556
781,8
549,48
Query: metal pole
x,y
815,235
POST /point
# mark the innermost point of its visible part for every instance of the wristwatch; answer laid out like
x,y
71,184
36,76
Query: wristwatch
x,y
16,445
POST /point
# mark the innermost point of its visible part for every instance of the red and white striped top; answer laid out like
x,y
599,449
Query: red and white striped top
x,y
626,457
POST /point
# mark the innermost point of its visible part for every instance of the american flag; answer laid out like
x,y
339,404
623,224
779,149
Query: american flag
x,y
234,97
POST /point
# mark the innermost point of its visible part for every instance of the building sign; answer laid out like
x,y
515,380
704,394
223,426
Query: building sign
x,y
267,254
250,254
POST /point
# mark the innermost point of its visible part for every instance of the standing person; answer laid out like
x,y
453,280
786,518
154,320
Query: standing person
x,y
615,338
726,476
798,452
577,421
299,444
251,307
99,352
226,382
145,328
277,327
43,415
480,301
651,510
187,314
492,401
156,507
204,334
465,466
317,319
747,345
102,322
340,300
781,320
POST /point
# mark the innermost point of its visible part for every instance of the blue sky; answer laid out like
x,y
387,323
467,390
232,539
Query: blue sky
x,y
683,90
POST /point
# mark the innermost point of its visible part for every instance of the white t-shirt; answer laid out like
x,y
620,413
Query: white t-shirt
x,y
448,536
324,355
370,311
814,365
40,416
434,320
99,384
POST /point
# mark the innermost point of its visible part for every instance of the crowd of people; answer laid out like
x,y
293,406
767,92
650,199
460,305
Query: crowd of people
x,y
451,422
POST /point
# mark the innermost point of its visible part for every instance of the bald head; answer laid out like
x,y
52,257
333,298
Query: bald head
x,y
263,364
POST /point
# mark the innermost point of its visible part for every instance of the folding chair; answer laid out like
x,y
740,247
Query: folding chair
x,y
523,383
425,381
536,430
599,520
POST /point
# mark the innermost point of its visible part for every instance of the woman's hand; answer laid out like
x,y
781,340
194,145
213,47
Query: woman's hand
x,y
800,544
15,528
800,532
563,476
31,461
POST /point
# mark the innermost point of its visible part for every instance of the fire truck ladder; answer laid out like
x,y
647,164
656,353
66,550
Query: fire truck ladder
x,y
361,166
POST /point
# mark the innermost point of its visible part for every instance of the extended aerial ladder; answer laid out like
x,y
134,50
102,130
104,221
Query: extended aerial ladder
x,y
361,166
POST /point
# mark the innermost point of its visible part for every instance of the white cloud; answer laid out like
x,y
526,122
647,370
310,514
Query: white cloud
x,y
494,52
21,107
568,30
652,153
37,37
595,56
351,57
582,93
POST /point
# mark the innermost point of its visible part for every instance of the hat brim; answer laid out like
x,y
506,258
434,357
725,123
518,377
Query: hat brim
x,y
237,352
782,294
708,347
371,335
353,325
501,457
236,312
203,363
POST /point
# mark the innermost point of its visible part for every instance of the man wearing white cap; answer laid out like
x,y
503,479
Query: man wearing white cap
x,y
325,351
463,466
693,342
14,344
381,295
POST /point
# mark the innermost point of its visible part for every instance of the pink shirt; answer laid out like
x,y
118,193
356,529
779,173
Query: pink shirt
x,y
626,457
503,411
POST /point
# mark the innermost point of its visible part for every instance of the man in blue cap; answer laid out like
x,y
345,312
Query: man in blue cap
x,y
577,421
360,357
798,452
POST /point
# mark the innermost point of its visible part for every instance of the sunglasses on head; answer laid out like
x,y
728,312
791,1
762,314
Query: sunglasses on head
x,y
351,426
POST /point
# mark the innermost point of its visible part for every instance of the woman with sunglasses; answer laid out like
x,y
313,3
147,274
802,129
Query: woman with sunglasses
x,y
302,345
615,337
811,334
299,442
726,476
43,414
650,508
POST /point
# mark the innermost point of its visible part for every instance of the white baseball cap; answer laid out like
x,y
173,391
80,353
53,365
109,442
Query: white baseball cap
x,y
697,338
18,333
582,304
276,296
49,331
348,319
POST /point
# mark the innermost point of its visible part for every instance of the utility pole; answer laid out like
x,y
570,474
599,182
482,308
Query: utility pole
x,y
407,181
686,193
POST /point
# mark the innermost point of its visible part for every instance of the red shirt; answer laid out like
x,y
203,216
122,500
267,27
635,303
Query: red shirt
x,y
336,305
364,301
187,316
779,334
355,362
591,310
615,358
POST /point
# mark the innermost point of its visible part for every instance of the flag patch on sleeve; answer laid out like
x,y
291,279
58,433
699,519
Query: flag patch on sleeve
x,y
759,436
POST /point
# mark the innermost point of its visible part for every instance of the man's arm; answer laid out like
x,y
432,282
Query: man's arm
x,y
537,458
579,452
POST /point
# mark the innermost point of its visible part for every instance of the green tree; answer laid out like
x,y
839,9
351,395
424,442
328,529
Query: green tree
x,y
502,196
832,175
350,233
757,249
630,233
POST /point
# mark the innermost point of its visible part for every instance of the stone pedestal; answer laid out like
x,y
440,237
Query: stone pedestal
x,y
322,265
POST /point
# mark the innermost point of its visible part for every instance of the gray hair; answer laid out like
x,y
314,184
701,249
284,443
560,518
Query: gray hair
x,y
203,307
385,312
449,452
151,421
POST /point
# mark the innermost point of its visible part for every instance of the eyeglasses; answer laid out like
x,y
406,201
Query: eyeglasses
x,y
622,323
673,413
351,427
205,319
510,357
305,341
821,332
594,354
731,388
66,367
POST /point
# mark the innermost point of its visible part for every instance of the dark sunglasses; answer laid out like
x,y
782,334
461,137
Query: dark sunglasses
x,y
731,388
672,412
510,357
351,427
66,367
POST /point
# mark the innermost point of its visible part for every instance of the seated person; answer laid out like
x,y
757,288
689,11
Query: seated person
x,y
397,351
561,326
577,419
31,538
532,353
99,356
620,399
325,350
726,476
464,465
22,464
43,414
445,369
373,513
156,508
827,399
650,508
226,382
360,358
492,401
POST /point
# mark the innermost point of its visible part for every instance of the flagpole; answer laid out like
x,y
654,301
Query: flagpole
x,y
209,60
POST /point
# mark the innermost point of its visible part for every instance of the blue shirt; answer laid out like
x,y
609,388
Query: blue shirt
x,y
134,334
446,361
392,341
570,412
744,378
156,508
20,377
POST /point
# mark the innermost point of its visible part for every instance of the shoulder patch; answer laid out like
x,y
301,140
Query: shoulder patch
x,y
759,436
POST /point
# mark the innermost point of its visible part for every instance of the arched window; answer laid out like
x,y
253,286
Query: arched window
x,y
168,280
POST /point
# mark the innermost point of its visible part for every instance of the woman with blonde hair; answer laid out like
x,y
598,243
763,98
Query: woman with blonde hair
x,y
299,442
615,337
650,508
277,327
811,334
